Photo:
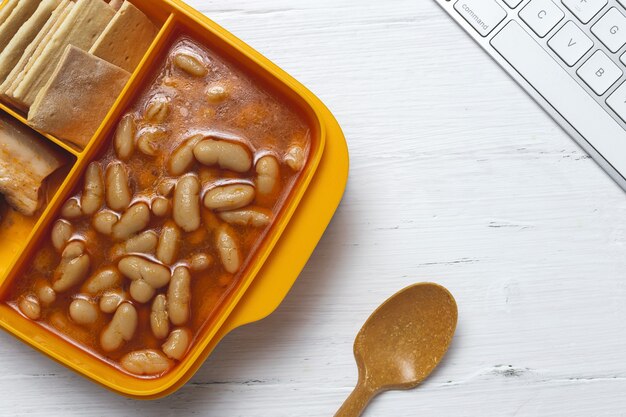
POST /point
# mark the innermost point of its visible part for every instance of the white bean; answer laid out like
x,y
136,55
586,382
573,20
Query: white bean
x,y
157,109
137,268
268,175
104,279
186,203
83,311
145,242
111,300
74,249
159,320
125,138
46,294
228,249
295,158
71,209
141,291
73,268
134,220
61,232
121,328
229,197
178,296
216,94
200,262
177,344
227,155
182,158
104,220
145,362
190,64
29,306
120,249
166,187
148,142
160,206
255,217
118,193
93,190
169,243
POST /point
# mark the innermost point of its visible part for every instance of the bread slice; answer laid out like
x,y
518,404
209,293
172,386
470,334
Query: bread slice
x,y
19,15
126,38
25,35
81,28
77,97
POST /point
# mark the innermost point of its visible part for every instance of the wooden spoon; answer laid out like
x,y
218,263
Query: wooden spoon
x,y
401,343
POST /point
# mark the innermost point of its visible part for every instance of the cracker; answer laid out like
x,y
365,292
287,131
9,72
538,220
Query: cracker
x,y
81,28
42,45
24,36
19,15
29,55
126,38
77,97
6,10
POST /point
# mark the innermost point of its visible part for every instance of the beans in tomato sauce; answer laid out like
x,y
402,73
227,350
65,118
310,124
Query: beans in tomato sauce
x,y
163,224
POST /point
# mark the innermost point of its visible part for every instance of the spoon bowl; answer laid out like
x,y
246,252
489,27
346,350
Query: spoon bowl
x,y
401,343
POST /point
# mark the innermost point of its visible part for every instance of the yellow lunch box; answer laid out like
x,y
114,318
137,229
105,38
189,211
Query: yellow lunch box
x,y
278,261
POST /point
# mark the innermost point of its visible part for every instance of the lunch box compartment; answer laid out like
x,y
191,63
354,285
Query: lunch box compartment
x,y
16,227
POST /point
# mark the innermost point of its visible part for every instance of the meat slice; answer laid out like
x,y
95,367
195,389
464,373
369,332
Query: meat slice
x,y
26,160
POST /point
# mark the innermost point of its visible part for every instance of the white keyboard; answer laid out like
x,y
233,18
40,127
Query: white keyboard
x,y
570,55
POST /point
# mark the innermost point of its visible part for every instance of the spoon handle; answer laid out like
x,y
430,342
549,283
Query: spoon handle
x,y
357,401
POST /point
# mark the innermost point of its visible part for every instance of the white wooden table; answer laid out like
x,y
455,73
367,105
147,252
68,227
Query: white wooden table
x,y
456,177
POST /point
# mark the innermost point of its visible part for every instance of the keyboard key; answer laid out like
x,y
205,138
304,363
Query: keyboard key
x,y
617,101
512,3
483,15
585,10
542,16
611,29
623,58
563,92
570,43
599,72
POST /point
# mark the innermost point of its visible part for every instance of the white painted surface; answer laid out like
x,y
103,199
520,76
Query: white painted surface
x,y
456,177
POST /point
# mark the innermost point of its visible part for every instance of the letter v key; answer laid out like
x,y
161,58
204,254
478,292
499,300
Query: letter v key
x,y
570,43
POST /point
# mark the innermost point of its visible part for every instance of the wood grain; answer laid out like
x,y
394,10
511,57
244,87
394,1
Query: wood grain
x,y
456,177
